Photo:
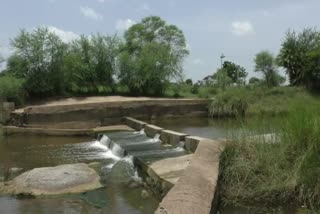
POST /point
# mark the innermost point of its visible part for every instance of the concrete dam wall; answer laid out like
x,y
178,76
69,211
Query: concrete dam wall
x,y
94,114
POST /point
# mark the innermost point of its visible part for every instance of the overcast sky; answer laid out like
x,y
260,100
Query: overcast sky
x,y
237,28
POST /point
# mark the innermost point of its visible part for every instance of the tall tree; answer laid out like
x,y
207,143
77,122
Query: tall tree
x,y
38,58
297,54
235,72
266,64
91,62
152,54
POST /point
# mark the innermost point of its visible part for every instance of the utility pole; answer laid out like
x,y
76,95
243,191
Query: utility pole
x,y
221,58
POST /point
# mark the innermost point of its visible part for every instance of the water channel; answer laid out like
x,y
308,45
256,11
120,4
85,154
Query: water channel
x,y
115,165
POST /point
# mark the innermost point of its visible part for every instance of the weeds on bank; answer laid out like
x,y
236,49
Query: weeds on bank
x,y
276,173
257,100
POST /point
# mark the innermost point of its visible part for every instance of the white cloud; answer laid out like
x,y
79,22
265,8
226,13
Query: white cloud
x,y
101,1
66,36
124,24
90,13
242,28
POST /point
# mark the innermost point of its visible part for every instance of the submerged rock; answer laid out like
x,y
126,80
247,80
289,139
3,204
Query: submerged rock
x,y
145,194
63,179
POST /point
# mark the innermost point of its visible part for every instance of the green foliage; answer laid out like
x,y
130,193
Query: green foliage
x,y
90,64
235,72
258,100
266,63
39,59
207,91
189,82
222,80
255,81
152,55
11,89
233,102
299,55
255,170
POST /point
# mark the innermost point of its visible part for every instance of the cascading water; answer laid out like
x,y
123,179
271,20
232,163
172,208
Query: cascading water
x,y
141,132
118,154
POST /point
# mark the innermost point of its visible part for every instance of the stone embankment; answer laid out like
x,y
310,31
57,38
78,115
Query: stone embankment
x,y
188,184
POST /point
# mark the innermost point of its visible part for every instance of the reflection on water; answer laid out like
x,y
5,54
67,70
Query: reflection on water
x,y
215,128
30,152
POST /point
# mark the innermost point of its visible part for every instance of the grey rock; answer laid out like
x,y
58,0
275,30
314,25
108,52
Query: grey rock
x,y
63,179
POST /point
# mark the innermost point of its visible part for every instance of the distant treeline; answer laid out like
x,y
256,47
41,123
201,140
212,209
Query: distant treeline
x,y
147,60
141,63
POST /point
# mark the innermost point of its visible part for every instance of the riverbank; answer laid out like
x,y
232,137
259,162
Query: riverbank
x,y
284,173
257,101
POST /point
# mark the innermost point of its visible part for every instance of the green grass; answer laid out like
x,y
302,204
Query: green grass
x,y
256,101
286,173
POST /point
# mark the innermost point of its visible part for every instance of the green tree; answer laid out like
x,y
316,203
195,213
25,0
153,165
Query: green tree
x,y
38,58
255,81
298,56
91,63
266,64
17,66
152,54
189,82
235,72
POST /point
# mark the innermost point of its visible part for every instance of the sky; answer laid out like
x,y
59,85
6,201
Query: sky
x,y
238,29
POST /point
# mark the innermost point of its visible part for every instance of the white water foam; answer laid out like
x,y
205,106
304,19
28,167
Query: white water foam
x,y
140,132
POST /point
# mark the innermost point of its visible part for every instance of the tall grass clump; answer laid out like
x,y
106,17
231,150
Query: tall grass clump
x,y
233,102
285,172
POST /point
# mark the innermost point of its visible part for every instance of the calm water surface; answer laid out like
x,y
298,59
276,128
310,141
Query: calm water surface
x,y
214,128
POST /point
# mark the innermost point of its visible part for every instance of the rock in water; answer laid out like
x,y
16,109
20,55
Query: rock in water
x,y
144,194
63,179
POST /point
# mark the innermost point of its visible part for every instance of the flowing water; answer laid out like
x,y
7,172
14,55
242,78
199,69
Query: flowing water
x,y
114,153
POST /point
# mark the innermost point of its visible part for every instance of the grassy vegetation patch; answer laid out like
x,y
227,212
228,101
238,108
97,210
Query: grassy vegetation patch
x,y
287,172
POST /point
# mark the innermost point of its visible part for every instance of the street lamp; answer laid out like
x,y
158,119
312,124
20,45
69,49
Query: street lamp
x,y
221,58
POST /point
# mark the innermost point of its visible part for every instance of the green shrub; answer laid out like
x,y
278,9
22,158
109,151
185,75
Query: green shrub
x,y
207,91
11,89
255,171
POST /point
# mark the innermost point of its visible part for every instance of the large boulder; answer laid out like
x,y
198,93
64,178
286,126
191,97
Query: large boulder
x,y
62,179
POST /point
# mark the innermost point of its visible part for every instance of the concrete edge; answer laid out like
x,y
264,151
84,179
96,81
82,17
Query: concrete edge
x,y
152,130
195,191
14,130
